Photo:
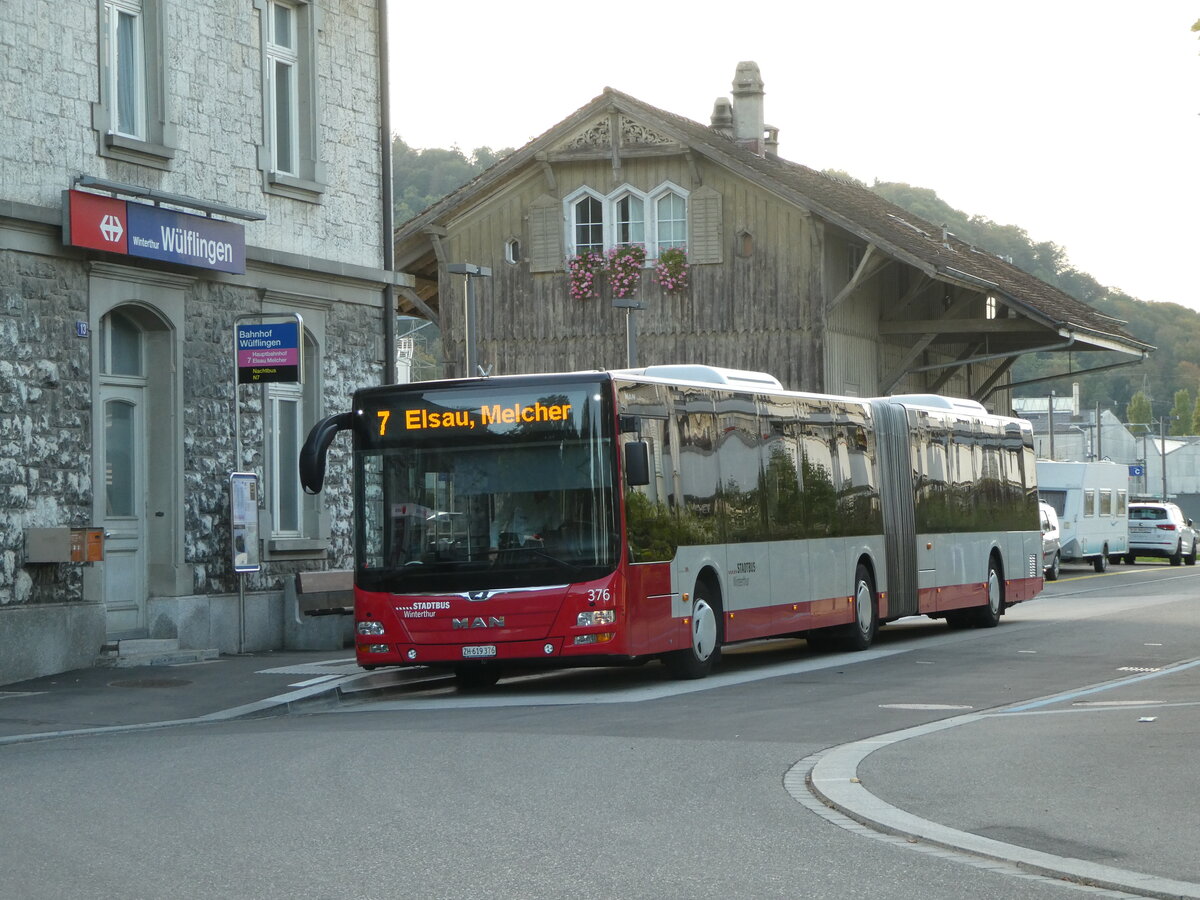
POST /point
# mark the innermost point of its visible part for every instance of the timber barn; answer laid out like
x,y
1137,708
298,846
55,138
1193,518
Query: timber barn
x,y
787,270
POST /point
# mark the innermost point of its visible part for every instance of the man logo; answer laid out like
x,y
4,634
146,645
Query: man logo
x,y
477,622
111,228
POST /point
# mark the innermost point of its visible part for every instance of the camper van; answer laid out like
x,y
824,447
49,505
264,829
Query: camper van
x,y
1092,502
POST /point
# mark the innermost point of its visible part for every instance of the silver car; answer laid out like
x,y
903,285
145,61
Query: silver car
x,y
1160,529
1051,541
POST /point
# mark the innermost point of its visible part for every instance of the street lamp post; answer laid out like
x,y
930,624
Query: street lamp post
x,y
471,272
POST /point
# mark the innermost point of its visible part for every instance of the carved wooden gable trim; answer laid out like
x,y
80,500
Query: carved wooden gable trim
x,y
599,135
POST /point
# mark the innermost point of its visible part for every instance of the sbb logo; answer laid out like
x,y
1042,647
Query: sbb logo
x,y
110,227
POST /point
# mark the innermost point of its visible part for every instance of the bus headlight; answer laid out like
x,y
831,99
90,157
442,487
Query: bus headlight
x,y
603,638
369,627
597,617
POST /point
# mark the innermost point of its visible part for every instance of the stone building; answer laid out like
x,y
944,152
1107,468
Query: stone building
x,y
810,277
169,171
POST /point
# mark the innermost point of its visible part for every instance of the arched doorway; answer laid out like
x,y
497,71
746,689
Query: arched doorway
x,y
131,490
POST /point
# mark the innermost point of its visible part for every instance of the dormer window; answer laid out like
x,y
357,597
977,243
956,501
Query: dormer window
x,y
588,221
598,222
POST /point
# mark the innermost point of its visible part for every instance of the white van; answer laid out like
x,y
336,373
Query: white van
x,y
1092,502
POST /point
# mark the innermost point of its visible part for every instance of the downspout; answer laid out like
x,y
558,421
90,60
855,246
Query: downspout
x,y
389,237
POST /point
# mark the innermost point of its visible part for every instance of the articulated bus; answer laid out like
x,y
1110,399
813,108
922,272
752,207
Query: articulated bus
x,y
660,513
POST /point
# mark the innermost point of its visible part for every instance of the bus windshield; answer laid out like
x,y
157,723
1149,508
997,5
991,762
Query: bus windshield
x,y
475,488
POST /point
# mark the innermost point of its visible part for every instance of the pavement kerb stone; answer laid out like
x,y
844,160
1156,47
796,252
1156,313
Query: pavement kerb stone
x,y
834,780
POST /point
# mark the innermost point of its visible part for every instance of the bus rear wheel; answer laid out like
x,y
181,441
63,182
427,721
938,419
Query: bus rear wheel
x,y
704,648
861,632
1100,563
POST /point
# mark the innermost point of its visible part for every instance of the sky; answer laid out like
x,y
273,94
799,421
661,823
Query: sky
x,y
1076,120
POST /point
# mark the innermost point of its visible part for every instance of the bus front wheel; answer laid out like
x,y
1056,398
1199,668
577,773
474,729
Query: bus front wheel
x,y
988,615
704,647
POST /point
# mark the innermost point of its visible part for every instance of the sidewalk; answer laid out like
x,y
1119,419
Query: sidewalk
x,y
115,698
1096,786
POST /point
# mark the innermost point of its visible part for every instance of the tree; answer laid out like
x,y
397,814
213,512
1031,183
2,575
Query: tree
x,y
1181,413
1138,410
1196,416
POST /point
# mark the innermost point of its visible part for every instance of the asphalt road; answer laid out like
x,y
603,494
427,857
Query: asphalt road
x,y
623,783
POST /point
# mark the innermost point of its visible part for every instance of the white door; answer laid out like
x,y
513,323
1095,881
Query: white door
x,y
123,464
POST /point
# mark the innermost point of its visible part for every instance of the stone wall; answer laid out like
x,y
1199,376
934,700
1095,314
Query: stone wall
x,y
45,419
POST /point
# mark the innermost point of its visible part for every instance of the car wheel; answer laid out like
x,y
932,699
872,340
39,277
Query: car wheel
x,y
1177,557
1052,572
1130,559
704,648
1190,559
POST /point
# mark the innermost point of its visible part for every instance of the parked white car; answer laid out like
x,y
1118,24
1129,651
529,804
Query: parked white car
x,y
1051,538
1160,529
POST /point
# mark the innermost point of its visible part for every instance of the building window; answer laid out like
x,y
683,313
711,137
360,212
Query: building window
x,y
291,409
120,346
288,156
282,85
597,223
130,117
589,225
630,220
125,66
285,407
670,212
512,251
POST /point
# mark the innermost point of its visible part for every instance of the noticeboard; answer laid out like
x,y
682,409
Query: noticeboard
x,y
243,521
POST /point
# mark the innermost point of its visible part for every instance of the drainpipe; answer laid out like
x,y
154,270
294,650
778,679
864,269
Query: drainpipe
x,y
389,237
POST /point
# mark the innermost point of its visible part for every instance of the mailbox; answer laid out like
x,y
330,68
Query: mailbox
x,y
64,545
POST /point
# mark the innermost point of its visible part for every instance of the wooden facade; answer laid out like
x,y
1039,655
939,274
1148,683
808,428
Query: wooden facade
x,y
808,277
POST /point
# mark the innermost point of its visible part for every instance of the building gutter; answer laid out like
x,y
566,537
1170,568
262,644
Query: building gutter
x,y
389,237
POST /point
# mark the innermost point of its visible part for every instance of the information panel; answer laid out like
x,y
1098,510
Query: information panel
x,y
243,521
268,352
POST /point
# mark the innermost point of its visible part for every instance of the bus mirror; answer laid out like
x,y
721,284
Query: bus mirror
x,y
637,463
312,454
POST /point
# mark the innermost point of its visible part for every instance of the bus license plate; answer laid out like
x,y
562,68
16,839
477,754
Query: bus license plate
x,y
478,651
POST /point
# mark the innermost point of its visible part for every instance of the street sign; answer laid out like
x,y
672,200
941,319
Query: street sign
x,y
1137,471
151,232
269,351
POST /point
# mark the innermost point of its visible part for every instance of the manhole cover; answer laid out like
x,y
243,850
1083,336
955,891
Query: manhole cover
x,y
149,682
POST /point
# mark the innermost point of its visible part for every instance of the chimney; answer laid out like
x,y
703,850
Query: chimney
x,y
722,116
748,107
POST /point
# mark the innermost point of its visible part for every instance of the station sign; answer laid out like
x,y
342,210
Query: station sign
x,y
268,352
150,232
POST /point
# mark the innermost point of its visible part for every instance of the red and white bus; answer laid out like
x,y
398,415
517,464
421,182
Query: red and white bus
x,y
605,517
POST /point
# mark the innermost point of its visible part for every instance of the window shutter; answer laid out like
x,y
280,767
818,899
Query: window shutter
x,y
545,234
705,244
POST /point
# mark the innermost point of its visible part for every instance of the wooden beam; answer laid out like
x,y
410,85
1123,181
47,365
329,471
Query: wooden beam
x,y
547,172
985,390
412,297
871,263
893,377
959,326
949,373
